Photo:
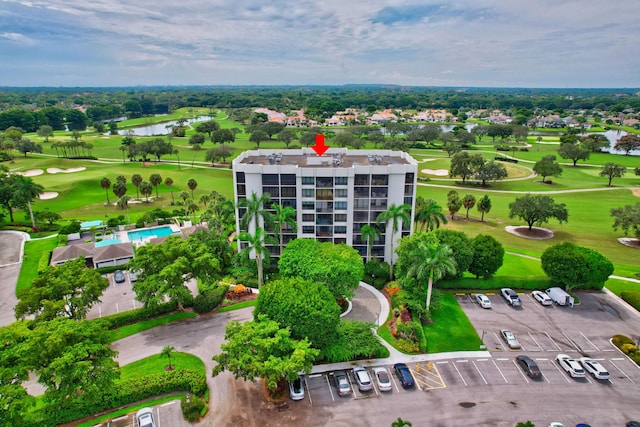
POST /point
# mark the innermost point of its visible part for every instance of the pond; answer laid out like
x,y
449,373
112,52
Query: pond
x,y
163,128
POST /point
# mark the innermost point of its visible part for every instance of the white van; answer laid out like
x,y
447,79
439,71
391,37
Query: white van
x,y
559,296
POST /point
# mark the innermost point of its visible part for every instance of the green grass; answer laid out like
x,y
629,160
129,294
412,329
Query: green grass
x,y
33,251
451,329
130,409
134,328
238,306
157,363
617,286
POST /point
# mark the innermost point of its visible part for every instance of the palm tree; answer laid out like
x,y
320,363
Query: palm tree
x,y
394,214
136,180
167,351
283,216
122,148
401,423
155,179
205,199
146,189
429,214
257,245
105,183
369,233
177,153
123,202
25,191
169,181
431,262
192,208
255,209
184,195
192,184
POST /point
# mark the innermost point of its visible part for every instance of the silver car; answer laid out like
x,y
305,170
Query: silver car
x,y
296,388
363,379
145,417
509,338
382,378
483,301
542,298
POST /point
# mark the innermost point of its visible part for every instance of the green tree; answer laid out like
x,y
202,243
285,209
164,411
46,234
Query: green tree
x,y
26,146
169,182
573,152
454,203
25,191
612,170
432,262
627,218
14,370
69,290
594,143
257,246
468,201
537,210
262,349
76,120
258,136
369,234
465,165
488,255
401,423
119,188
192,184
627,143
196,140
136,180
490,171
429,214
286,136
46,216
223,135
167,351
484,206
547,166
45,131
105,184
338,266
123,202
306,308
208,127
146,189
525,424
255,211
461,249
155,179
392,219
573,266
283,217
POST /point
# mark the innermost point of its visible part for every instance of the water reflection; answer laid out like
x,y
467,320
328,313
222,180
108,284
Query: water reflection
x,y
159,128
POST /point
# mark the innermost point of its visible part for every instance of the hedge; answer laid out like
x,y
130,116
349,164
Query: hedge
x,y
125,392
132,316
515,282
633,298
111,268
209,299
43,264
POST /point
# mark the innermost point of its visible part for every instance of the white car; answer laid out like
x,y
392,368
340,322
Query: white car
x,y
296,388
483,301
509,338
382,378
542,298
511,297
594,368
572,366
363,379
145,417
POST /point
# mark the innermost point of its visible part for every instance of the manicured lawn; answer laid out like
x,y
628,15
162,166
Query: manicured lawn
x,y
451,329
134,328
238,306
157,363
33,251
616,286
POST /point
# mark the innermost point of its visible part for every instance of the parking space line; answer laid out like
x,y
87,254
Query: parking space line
x,y
535,341
500,341
394,382
503,377
562,372
430,377
520,370
553,341
330,388
461,377
589,341
481,376
158,413
308,391
621,371
576,346
168,403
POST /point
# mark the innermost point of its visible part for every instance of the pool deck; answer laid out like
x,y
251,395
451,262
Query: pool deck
x,y
124,235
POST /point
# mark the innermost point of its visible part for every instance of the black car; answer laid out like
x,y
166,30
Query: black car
x,y
633,424
529,366
118,276
404,375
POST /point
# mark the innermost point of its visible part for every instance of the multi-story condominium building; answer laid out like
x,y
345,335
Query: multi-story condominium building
x,y
334,195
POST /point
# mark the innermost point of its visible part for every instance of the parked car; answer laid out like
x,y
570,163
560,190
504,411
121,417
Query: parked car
x,y
133,276
542,298
483,301
296,389
404,375
382,378
560,296
633,424
529,366
118,276
342,383
512,298
594,368
572,366
145,417
363,379
509,338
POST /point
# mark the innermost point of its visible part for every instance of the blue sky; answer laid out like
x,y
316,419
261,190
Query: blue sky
x,y
497,43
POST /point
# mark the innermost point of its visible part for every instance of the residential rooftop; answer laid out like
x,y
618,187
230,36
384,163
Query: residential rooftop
x,y
333,158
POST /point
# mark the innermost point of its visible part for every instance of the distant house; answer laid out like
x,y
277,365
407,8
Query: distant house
x,y
63,254
109,255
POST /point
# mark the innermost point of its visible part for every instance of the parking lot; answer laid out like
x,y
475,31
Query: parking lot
x,y
168,414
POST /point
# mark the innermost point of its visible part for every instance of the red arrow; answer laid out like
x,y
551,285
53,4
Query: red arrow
x,y
320,148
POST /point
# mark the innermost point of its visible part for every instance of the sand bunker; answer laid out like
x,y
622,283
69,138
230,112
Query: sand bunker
x,y
48,195
32,172
629,241
70,170
436,172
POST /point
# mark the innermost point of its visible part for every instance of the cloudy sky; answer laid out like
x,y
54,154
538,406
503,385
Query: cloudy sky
x,y
498,43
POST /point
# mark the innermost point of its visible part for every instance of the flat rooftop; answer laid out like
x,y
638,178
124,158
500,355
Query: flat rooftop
x,y
331,159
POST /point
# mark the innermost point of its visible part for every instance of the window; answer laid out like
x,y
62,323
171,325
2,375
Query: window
x,y
240,177
340,217
361,204
308,180
308,192
324,182
377,204
408,179
361,216
341,192
324,194
341,180
324,207
340,206
289,202
242,190
288,179
362,180
308,229
308,217
408,200
288,192
324,219
360,192
270,179
339,240
308,206
341,229
324,231
380,179
408,190
379,191
273,191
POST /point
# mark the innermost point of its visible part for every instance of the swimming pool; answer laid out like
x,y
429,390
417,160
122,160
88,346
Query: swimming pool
x,y
164,230
108,242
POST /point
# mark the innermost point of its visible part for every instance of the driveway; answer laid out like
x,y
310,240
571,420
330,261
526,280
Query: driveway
x,y
11,247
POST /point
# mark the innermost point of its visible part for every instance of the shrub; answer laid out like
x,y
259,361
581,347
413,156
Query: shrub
x,y
111,268
633,298
62,240
408,346
45,258
113,222
209,299
619,340
515,282
376,273
73,227
192,407
355,341
138,314
629,349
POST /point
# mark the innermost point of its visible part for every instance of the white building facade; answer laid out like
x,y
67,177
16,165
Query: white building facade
x,y
334,195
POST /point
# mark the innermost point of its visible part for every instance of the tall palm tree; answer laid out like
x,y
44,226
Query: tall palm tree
x,y
177,153
136,180
257,245
369,233
255,210
393,215
283,215
146,189
192,207
429,214
192,184
105,183
169,181
431,262
25,191
155,179
205,199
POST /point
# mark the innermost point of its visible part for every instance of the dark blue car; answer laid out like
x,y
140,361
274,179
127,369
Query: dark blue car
x,y
404,375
